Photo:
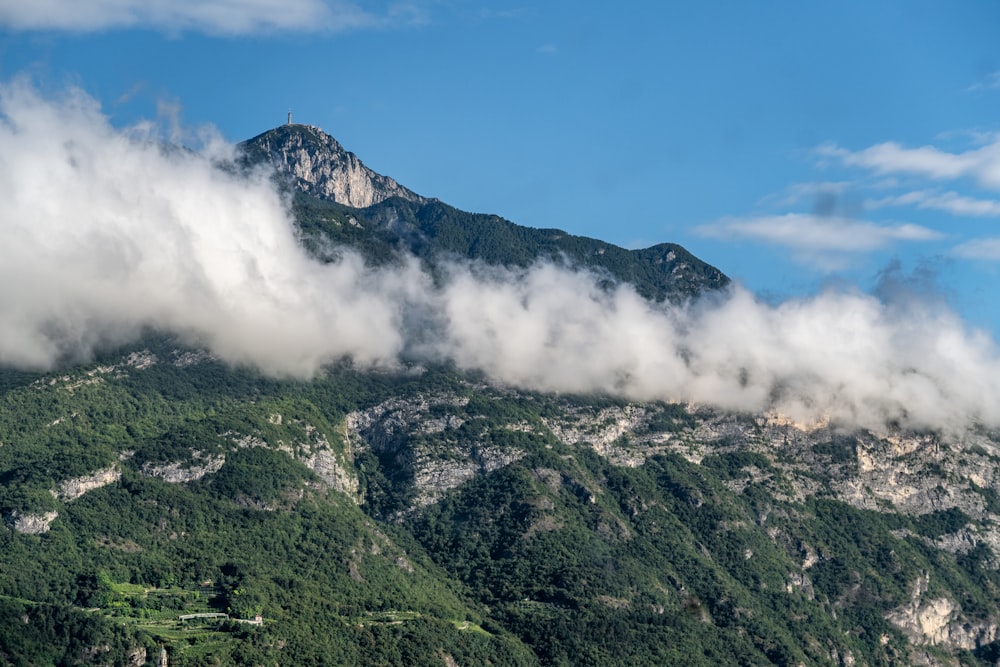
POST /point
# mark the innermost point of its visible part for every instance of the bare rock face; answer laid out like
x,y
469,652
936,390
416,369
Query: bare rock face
x,y
31,524
336,469
337,476
137,658
939,622
320,166
616,433
71,489
181,472
401,426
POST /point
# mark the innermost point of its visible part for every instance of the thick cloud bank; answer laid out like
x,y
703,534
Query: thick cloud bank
x,y
104,232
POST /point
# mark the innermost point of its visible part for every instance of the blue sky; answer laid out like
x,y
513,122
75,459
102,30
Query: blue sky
x,y
793,145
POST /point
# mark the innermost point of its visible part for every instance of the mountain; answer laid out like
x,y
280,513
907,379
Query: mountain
x,y
340,201
319,166
156,501
428,518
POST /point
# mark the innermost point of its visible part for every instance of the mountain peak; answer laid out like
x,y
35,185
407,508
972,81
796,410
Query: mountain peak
x,y
318,165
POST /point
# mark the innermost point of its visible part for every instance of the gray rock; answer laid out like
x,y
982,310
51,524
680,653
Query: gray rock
x,y
31,524
320,166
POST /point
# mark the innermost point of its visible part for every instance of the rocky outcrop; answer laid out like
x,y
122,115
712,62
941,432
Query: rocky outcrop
x,y
910,473
141,360
599,430
326,466
30,524
185,358
137,658
437,464
181,472
318,165
618,433
381,424
939,621
335,469
71,489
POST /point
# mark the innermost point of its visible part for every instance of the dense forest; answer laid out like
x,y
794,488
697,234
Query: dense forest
x,y
557,556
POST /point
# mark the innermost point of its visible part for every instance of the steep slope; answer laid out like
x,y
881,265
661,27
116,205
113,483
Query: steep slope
x,y
427,518
159,486
664,271
668,534
319,166
340,201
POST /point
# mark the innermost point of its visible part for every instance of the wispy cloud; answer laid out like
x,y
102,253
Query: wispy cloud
x,y
981,164
514,13
815,233
951,202
986,249
219,17
134,90
548,49
797,192
991,82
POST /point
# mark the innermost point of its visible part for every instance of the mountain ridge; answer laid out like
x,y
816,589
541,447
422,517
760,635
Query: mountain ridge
x,y
338,200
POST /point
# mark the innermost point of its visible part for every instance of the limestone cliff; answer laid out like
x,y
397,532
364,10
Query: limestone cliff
x,y
318,165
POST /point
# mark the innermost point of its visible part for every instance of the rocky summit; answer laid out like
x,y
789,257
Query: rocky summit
x,y
318,165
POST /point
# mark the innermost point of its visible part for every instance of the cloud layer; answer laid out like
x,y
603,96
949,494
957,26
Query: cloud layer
x,y
951,202
846,221
104,232
979,165
220,17
817,233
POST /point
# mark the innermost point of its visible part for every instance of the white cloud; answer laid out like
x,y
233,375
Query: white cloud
x,y
986,249
952,202
796,192
846,356
222,17
104,233
488,14
814,233
991,82
981,164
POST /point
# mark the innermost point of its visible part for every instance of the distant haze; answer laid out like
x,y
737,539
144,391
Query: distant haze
x,y
105,232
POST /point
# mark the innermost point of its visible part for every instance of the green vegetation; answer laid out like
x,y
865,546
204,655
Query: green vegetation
x,y
557,558
262,534
435,232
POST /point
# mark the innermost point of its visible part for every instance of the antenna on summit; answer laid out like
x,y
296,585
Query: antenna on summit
x,y
289,116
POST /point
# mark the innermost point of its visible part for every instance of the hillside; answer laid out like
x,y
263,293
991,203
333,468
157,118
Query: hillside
x,y
428,518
